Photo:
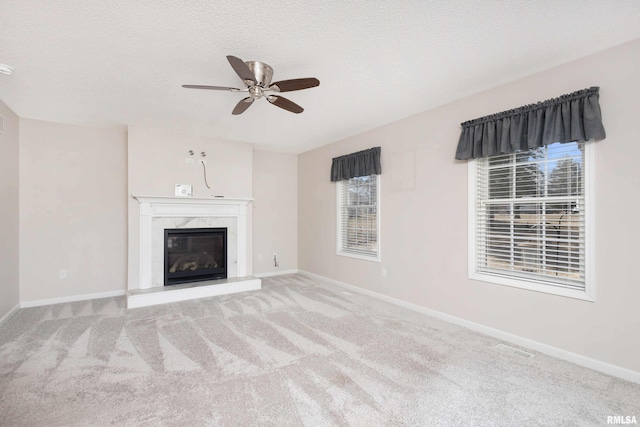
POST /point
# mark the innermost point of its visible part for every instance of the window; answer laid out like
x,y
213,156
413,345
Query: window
x,y
359,217
530,217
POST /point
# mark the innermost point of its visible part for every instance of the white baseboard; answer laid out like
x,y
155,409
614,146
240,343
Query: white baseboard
x,y
6,316
578,359
49,301
276,273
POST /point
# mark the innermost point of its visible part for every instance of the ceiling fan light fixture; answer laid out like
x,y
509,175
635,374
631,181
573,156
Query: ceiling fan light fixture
x,y
5,69
256,92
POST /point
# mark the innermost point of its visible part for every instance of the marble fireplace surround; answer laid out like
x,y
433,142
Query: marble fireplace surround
x,y
160,212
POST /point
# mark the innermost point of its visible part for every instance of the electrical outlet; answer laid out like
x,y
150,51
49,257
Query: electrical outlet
x,y
63,274
383,272
260,257
189,160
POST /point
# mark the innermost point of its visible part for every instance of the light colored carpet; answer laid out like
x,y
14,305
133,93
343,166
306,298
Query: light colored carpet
x,y
297,352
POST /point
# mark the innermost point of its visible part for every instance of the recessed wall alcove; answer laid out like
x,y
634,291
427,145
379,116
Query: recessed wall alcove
x,y
158,213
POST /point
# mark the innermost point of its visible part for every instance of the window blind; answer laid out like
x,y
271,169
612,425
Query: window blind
x,y
358,216
530,215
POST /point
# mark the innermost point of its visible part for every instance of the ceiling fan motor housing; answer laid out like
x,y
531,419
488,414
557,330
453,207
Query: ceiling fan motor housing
x,y
263,72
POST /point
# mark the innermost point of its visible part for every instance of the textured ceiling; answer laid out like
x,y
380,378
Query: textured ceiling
x,y
122,62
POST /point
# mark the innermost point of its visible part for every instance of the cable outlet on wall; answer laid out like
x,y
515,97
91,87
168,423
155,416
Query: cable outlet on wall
x,y
183,190
63,274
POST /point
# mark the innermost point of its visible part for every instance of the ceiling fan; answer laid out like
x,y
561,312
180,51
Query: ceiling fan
x,y
256,76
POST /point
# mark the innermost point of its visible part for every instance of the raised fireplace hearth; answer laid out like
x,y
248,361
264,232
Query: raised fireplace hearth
x,y
194,255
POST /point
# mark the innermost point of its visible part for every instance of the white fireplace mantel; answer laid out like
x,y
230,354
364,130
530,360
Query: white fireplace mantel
x,y
187,207
174,200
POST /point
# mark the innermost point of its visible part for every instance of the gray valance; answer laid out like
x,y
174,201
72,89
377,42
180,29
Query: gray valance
x,y
572,117
362,163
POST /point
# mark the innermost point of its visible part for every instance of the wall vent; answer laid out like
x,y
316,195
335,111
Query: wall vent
x,y
1,123
512,350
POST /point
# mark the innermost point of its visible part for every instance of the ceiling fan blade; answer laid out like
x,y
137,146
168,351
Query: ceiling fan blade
x,y
241,68
285,104
242,106
232,89
294,84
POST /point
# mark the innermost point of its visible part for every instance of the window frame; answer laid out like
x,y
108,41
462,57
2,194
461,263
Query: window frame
x,y
339,225
588,294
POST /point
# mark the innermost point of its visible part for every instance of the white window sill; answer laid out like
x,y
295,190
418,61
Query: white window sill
x,y
532,285
374,258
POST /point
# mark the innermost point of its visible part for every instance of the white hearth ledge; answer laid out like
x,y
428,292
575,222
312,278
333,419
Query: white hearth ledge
x,y
187,291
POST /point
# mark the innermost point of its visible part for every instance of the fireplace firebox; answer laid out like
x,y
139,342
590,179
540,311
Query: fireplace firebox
x,y
194,254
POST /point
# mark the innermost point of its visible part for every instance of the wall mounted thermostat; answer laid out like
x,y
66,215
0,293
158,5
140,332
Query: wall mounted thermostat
x,y
183,190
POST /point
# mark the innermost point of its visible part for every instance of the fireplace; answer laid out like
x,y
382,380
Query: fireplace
x,y
146,285
194,254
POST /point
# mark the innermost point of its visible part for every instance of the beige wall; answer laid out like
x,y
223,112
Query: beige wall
x,y
72,210
157,164
275,211
9,212
424,216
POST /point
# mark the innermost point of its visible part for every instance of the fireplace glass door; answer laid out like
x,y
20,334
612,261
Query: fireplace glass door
x,y
194,254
